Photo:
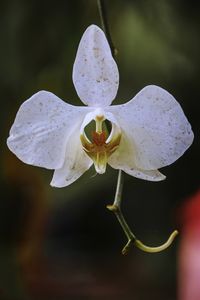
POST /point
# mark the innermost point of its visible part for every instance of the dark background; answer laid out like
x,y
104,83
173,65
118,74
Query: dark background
x,y
60,244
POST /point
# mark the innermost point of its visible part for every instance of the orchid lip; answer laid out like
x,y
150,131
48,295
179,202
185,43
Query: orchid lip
x,y
101,146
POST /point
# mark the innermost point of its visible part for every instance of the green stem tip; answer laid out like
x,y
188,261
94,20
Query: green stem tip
x,y
160,248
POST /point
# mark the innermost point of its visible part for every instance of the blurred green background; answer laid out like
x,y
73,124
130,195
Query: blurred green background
x,y
60,244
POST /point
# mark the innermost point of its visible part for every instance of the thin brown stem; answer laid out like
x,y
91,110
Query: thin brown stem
x,y
105,26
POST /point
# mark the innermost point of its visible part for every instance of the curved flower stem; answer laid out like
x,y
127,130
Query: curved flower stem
x,y
116,209
105,27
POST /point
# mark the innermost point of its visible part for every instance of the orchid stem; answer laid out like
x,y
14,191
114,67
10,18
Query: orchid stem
x,y
132,240
105,26
116,206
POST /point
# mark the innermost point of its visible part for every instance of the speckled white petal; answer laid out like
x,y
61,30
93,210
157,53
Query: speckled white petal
x,y
149,175
95,73
76,162
41,130
123,159
156,129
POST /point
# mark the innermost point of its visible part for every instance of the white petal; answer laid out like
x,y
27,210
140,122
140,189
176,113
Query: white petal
x,y
153,175
95,73
76,162
41,130
155,126
123,159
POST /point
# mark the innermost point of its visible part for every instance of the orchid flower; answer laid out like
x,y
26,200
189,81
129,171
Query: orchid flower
x,y
147,133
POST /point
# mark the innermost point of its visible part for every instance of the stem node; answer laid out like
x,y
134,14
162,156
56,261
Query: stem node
x,y
112,208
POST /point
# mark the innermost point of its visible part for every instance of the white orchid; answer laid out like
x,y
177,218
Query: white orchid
x,y
149,132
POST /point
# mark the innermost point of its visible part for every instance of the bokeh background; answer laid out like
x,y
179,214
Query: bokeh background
x,y
60,244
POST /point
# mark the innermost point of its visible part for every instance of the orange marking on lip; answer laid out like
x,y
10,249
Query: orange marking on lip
x,y
99,139
98,150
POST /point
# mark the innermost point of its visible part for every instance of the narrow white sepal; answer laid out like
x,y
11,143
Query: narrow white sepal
x,y
149,175
95,73
123,159
76,162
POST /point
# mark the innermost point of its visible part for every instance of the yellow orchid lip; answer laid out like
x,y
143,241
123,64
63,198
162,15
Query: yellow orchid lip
x,y
98,149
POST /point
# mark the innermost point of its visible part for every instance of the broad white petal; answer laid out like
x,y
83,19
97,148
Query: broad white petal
x,y
157,130
95,73
76,162
41,130
123,159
